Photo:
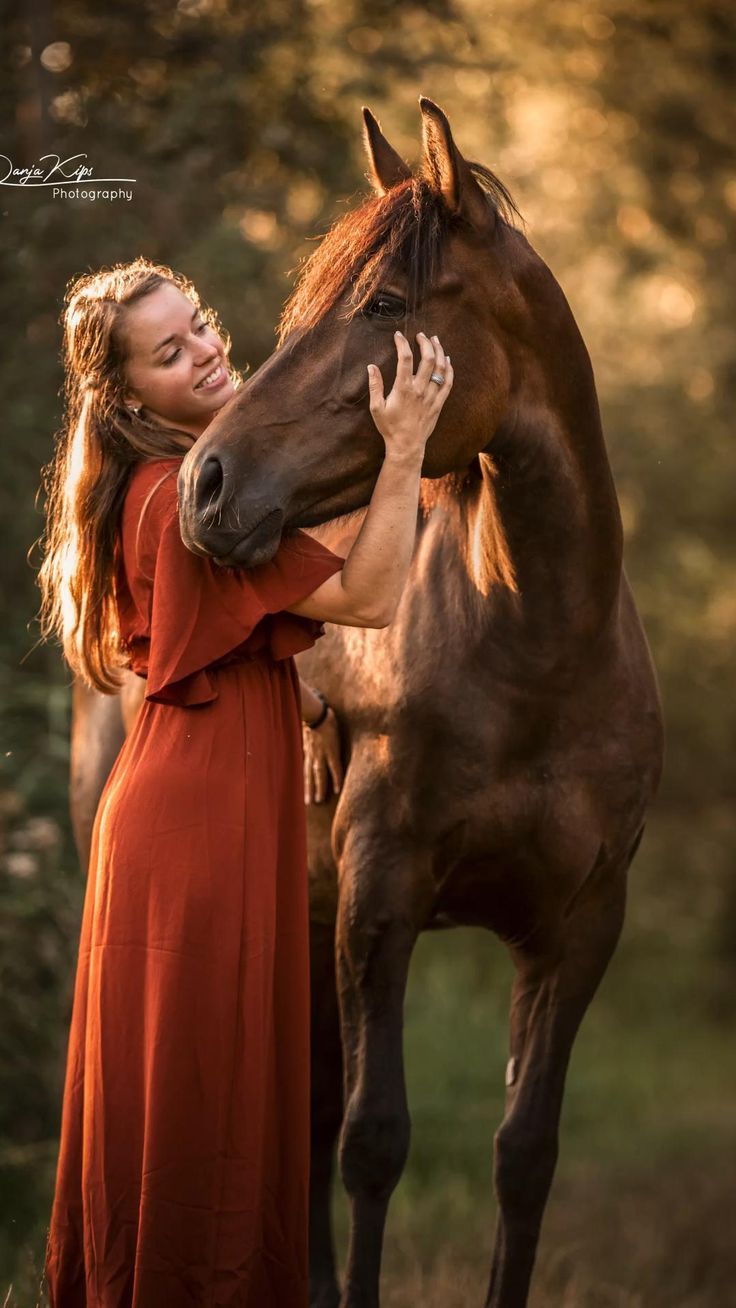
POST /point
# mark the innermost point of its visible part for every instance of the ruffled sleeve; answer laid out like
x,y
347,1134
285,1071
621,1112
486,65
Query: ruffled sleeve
x,y
199,613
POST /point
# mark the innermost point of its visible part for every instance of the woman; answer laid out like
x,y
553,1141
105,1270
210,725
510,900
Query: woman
x,y
182,1176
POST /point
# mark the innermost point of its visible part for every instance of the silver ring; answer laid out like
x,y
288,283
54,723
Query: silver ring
x,y
437,377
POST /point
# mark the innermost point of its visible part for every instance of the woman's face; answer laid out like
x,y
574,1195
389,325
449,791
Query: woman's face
x,y
172,356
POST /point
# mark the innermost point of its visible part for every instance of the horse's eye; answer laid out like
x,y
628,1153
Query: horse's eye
x,y
383,305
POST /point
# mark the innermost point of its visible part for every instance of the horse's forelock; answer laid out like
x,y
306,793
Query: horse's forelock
x,y
406,228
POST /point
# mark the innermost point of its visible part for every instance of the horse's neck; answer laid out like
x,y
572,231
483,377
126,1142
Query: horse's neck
x,y
545,520
537,536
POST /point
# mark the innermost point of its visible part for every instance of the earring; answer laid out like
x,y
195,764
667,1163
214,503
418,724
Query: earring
x,y
134,410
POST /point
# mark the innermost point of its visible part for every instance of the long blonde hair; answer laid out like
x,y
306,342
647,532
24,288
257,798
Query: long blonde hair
x,y
85,481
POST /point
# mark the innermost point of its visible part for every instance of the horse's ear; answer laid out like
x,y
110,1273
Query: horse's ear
x,y
448,172
387,168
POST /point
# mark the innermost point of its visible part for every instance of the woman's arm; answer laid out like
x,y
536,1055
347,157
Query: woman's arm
x,y
366,592
334,536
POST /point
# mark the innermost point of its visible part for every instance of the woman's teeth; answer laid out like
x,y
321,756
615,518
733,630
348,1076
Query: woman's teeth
x,y
210,379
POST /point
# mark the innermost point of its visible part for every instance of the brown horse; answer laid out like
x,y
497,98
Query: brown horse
x,y
503,736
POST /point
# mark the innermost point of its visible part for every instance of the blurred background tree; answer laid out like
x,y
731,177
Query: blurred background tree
x,y
613,126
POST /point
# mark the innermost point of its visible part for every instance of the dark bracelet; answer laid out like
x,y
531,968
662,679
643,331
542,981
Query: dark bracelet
x,y
325,709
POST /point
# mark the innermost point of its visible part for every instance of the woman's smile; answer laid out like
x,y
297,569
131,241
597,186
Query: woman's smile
x,y
214,378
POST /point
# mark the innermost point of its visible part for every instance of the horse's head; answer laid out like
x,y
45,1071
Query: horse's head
x,y
434,251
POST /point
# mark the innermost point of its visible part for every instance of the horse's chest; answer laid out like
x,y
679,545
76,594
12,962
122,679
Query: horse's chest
x,y
437,766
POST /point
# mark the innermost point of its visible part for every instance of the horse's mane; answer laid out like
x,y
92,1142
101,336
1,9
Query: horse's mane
x,y
407,227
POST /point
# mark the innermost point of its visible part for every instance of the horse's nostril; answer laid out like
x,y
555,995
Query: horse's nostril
x,y
209,485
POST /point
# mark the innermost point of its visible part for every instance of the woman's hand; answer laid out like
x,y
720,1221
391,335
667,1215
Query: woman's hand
x,y
368,590
322,756
407,417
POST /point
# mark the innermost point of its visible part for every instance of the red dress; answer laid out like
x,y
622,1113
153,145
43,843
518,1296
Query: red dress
x,y
183,1168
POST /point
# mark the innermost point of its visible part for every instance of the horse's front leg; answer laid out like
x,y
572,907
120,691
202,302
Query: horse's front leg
x,y
385,894
552,990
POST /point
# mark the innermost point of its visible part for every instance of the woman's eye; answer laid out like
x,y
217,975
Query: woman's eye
x,y
202,328
383,305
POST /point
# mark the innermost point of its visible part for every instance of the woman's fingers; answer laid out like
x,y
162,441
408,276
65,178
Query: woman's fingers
x,y
437,394
335,767
426,363
405,359
432,359
439,357
307,777
314,779
320,777
375,389
446,370
325,766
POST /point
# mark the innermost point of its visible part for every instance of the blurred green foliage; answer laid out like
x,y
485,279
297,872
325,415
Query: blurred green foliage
x,y
613,126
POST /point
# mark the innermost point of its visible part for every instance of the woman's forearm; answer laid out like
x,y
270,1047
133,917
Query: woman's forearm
x,y
375,570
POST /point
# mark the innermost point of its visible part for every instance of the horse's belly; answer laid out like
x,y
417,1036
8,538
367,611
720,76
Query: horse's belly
x,y
520,852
